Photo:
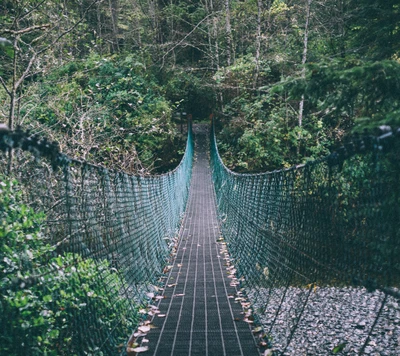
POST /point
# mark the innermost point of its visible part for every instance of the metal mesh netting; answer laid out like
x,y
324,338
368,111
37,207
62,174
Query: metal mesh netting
x,y
73,279
317,248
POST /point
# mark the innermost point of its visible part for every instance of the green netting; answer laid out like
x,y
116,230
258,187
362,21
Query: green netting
x,y
317,247
81,247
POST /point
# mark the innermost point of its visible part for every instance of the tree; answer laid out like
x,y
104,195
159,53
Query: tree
x,y
374,28
228,29
258,42
303,62
34,28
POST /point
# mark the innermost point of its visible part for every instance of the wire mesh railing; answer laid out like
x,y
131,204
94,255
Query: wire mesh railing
x,y
81,247
317,248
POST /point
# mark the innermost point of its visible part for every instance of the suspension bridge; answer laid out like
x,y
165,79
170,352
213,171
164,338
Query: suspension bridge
x,y
201,260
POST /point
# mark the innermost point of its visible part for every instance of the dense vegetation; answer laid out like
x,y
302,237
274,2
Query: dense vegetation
x,y
287,79
111,80
48,299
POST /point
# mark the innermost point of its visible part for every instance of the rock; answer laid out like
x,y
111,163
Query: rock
x,y
361,324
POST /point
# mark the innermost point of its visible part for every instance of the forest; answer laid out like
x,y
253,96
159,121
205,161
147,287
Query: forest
x,y
84,235
113,80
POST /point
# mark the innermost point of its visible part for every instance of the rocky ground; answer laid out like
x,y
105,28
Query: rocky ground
x,y
333,321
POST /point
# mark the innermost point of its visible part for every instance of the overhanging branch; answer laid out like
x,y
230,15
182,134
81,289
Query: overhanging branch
x,y
25,30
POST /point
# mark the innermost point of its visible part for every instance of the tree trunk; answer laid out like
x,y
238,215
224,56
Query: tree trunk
x,y
209,34
341,27
13,91
258,43
113,4
99,33
303,70
228,29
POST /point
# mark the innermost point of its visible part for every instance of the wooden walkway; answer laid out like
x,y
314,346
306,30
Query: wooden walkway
x,y
199,314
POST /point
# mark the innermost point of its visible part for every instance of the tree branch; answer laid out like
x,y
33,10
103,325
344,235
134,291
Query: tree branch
x,y
69,29
4,86
26,30
26,71
31,10
188,34
36,54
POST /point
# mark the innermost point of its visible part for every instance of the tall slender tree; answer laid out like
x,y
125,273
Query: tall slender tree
x,y
228,30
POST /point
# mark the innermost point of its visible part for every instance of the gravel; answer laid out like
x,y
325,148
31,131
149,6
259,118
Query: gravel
x,y
333,318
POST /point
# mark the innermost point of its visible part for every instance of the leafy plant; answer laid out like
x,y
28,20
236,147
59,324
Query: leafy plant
x,y
107,109
53,304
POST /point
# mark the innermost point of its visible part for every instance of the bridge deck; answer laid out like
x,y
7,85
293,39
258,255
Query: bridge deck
x,y
201,315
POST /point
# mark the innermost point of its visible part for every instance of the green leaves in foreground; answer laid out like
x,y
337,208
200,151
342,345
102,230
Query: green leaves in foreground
x,y
47,300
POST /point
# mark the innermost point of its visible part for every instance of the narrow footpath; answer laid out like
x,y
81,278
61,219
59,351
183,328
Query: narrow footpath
x,y
199,314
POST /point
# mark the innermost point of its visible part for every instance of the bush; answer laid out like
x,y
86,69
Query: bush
x,y
49,304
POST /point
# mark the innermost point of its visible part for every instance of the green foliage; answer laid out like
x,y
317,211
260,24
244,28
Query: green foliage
x,y
108,88
351,79
341,95
344,91
261,133
187,90
48,300
112,111
374,31
22,243
252,147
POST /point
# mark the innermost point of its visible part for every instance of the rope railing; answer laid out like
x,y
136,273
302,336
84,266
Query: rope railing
x,y
83,247
317,248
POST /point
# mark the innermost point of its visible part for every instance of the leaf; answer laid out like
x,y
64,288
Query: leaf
x,y
257,329
139,334
47,298
133,351
144,328
339,348
140,349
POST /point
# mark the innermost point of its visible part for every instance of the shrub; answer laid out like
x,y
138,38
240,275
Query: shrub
x,y
49,304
